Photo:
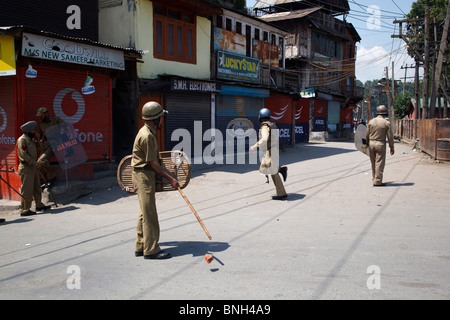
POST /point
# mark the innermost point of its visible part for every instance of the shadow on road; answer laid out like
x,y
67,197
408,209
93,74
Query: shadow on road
x,y
194,248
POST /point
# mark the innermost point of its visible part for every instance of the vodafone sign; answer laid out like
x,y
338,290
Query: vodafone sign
x,y
60,91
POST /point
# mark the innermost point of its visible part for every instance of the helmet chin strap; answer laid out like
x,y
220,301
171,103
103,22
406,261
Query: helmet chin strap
x,y
157,122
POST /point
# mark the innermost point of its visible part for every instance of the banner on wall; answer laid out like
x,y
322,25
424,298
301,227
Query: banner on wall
x,y
7,56
55,49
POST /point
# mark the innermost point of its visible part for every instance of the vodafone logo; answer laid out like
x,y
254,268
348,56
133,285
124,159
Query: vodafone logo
x,y
5,140
81,109
4,119
57,105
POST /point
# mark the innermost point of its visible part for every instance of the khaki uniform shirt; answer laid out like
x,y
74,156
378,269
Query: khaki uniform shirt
x,y
378,130
42,128
270,161
44,125
145,148
27,150
265,135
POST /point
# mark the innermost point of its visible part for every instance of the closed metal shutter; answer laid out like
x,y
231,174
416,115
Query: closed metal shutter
x,y
320,117
190,111
239,113
302,111
59,90
334,114
9,133
281,107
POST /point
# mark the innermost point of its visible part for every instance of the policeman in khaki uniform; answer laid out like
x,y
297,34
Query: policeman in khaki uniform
x,y
27,146
270,161
46,122
145,165
377,131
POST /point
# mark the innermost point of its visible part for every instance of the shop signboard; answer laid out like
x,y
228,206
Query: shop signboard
x,y
49,48
236,67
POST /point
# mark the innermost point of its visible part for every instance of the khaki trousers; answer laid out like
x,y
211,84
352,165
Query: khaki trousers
x,y
377,153
31,187
278,185
147,229
44,161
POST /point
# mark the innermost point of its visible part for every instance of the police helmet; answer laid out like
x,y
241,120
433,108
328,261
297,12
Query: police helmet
x,y
152,110
381,110
264,113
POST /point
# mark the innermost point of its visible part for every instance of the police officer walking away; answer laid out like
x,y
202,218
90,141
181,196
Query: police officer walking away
x,y
145,166
265,142
27,146
377,131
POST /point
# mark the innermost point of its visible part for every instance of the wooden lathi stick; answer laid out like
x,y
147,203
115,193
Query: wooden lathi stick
x,y
195,213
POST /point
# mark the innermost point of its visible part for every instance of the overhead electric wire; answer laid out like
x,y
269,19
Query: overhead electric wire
x,y
342,72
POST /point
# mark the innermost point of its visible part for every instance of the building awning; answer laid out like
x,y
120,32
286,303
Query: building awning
x,y
17,31
289,15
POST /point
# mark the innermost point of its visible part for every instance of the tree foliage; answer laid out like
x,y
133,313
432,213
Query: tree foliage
x,y
400,104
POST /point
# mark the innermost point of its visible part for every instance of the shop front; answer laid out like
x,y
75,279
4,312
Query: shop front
x,y
320,115
302,117
237,111
73,80
281,109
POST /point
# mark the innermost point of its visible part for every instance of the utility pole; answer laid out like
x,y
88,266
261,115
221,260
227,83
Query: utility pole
x,y
437,76
413,46
368,111
426,66
393,83
390,103
406,67
446,100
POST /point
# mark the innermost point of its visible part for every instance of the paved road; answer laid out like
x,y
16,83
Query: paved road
x,y
336,237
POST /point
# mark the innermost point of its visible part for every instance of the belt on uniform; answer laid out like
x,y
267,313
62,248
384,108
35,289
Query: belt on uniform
x,y
145,168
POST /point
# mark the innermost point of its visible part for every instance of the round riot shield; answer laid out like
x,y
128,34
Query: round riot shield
x,y
176,163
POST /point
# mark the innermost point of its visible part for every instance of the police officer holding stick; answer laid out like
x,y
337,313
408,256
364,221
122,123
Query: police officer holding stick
x,y
145,167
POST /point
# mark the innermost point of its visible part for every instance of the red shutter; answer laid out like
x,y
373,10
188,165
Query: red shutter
x,y
59,90
280,107
302,111
8,139
320,108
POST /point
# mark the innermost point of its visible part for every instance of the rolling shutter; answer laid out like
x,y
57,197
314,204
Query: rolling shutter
x,y
8,139
190,111
239,113
59,90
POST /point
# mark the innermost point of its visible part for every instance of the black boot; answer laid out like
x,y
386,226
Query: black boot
x,y
283,171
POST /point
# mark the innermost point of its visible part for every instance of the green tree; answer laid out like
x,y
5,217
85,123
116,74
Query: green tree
x,y
400,104
438,9
240,5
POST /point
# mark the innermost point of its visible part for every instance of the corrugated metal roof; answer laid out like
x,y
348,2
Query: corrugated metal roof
x,y
269,3
288,15
17,30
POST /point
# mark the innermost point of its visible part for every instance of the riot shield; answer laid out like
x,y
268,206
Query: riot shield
x,y
175,162
360,139
66,145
